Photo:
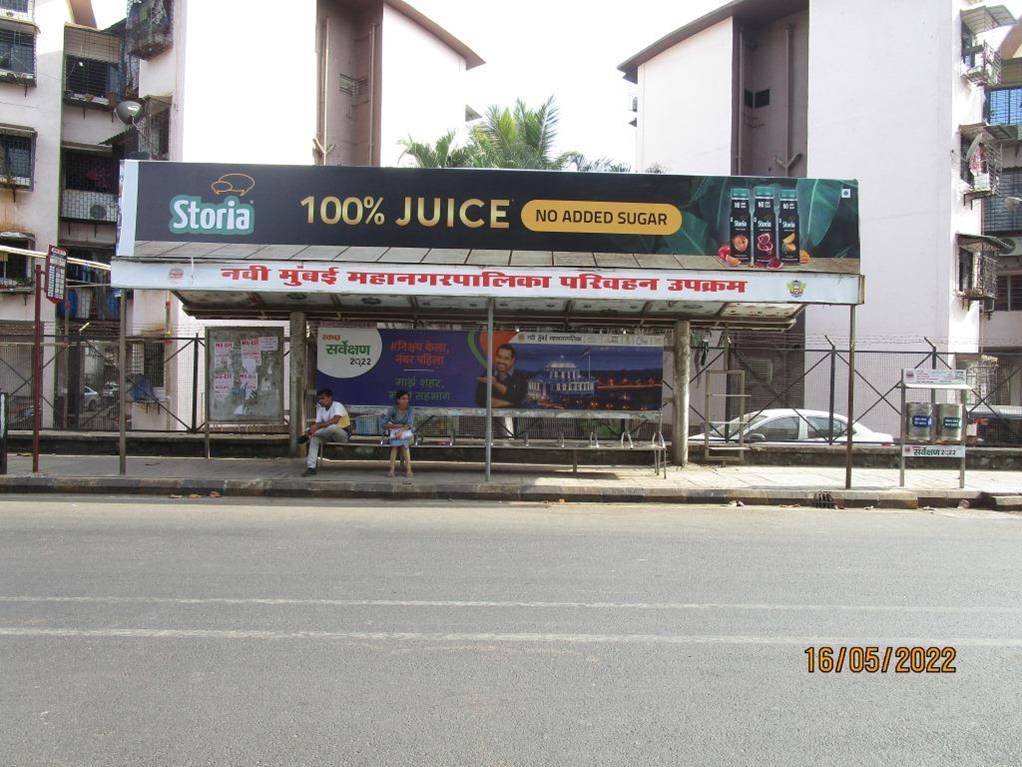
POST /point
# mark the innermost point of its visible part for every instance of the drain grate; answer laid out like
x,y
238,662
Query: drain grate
x,y
824,500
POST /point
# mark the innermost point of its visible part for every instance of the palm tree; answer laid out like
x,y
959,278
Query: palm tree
x,y
518,137
507,137
442,154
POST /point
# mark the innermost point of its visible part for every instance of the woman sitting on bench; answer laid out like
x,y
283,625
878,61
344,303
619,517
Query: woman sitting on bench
x,y
400,420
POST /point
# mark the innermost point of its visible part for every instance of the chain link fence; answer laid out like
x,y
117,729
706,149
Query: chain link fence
x,y
165,390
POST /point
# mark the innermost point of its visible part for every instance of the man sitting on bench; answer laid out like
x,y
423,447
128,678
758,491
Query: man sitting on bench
x,y
332,425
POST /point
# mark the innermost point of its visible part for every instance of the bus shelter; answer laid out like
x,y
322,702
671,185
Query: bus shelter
x,y
511,253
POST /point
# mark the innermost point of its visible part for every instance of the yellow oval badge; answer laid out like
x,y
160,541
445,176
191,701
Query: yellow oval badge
x,y
597,217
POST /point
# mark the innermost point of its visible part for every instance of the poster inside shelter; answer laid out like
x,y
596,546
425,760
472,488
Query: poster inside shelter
x,y
245,375
449,368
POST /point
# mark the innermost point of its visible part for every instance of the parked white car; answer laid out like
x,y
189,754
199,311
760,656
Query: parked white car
x,y
791,425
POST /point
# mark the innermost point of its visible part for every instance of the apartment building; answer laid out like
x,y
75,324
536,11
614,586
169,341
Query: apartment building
x,y
831,89
341,82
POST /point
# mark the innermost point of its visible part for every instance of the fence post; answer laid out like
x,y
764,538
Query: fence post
x,y
933,366
195,383
122,395
682,354
3,432
37,370
833,387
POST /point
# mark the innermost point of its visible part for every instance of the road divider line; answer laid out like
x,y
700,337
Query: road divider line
x,y
539,638
454,603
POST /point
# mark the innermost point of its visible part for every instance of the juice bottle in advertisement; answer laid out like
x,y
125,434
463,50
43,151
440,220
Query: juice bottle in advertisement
x,y
740,226
787,227
764,226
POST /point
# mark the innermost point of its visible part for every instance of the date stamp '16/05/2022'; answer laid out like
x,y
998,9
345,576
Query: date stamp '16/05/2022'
x,y
873,659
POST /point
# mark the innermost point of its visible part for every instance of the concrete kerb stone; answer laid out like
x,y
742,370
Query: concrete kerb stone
x,y
499,491
1004,502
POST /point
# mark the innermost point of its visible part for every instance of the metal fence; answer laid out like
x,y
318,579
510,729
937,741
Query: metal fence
x,y
165,389
813,384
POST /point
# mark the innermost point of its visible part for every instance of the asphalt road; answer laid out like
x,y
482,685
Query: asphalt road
x,y
160,632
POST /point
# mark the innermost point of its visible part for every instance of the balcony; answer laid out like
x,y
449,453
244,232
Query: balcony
x,y
981,65
981,158
17,10
149,28
95,207
90,187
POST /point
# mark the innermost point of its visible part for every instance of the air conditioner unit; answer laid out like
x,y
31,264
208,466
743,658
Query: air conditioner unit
x,y
98,213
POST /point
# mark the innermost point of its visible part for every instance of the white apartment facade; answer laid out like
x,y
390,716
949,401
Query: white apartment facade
x,y
58,170
247,81
832,89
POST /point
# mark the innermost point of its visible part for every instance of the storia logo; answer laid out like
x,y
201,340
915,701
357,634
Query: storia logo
x,y
190,214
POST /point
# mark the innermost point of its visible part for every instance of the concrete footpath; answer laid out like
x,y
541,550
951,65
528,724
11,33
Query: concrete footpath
x,y
748,485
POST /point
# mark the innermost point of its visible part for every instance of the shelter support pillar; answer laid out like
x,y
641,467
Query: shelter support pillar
x,y
682,356
298,366
849,442
489,389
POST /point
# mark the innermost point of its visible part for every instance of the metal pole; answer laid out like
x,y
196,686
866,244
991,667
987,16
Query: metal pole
x,y
195,382
489,388
901,447
682,359
37,370
296,365
66,357
122,395
961,467
3,431
833,386
851,397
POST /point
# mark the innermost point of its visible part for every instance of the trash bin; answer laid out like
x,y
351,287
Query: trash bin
x,y
919,421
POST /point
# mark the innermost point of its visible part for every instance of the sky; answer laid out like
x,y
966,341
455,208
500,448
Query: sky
x,y
569,49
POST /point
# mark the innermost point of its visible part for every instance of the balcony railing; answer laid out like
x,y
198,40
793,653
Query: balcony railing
x,y
981,65
81,205
17,10
149,27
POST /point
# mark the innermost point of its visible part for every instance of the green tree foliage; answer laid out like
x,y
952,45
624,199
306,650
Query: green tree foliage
x,y
508,137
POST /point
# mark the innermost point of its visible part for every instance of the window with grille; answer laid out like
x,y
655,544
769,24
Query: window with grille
x,y
1009,293
1004,106
996,215
17,51
15,160
90,77
18,6
15,269
146,366
90,172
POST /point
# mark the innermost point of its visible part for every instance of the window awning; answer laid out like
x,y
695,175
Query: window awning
x,y
983,243
17,130
986,17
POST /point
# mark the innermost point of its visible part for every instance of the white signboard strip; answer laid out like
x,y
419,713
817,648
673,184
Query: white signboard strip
x,y
508,282
923,377
933,451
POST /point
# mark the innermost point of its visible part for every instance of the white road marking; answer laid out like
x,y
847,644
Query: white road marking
x,y
417,636
454,603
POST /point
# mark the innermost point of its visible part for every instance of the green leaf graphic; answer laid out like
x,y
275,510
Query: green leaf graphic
x,y
818,202
693,239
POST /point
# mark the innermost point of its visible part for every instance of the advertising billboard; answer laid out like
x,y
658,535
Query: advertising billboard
x,y
728,222
527,371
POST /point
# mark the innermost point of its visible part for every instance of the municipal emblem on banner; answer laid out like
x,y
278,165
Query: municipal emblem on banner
x,y
796,288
